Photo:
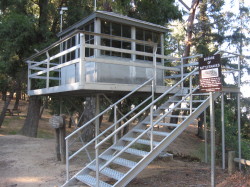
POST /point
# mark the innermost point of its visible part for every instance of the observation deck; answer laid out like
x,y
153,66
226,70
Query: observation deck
x,y
106,53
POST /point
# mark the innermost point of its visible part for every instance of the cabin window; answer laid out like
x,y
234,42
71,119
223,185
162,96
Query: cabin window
x,y
146,35
115,29
89,39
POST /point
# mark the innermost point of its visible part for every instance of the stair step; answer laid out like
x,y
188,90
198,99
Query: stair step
x,y
108,172
172,116
154,132
163,124
164,108
91,181
120,161
131,151
198,101
198,94
141,141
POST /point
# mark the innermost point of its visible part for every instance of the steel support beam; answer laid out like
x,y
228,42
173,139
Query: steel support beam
x,y
212,134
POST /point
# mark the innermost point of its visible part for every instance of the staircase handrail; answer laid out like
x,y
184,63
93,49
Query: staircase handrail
x,y
145,108
143,133
111,106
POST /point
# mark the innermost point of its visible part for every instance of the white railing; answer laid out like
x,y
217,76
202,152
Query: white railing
x,y
46,66
100,140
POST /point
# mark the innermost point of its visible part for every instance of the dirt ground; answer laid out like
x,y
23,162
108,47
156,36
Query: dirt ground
x,y
31,162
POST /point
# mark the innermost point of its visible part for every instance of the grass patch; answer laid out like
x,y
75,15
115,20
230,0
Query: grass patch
x,y
45,134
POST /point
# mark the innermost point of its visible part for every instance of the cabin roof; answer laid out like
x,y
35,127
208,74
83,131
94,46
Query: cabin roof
x,y
111,16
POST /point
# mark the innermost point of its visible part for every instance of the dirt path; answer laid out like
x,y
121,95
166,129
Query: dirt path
x,y
31,162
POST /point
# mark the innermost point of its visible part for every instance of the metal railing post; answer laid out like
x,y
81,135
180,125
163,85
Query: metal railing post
x,y
191,96
153,91
151,118
223,131
82,59
238,115
29,79
47,76
115,122
182,73
97,139
205,128
67,159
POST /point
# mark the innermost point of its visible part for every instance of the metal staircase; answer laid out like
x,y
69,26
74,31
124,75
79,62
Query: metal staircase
x,y
117,163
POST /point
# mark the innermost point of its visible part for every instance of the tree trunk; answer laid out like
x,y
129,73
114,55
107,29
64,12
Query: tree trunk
x,y
200,125
18,95
190,26
32,120
5,107
4,95
43,19
89,113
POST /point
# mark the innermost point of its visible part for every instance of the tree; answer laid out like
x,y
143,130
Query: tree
x,y
32,120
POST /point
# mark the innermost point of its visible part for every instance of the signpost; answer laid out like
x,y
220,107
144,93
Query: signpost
x,y
210,81
210,74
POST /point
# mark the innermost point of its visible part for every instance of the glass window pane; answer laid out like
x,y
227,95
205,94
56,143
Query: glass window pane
x,y
140,47
148,36
126,55
116,29
116,44
139,57
126,31
126,45
156,38
105,42
91,27
139,34
148,49
105,27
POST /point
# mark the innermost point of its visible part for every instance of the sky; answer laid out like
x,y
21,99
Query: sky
x,y
245,90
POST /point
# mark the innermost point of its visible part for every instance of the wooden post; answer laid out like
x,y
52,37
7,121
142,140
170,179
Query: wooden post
x,y
62,140
231,164
58,155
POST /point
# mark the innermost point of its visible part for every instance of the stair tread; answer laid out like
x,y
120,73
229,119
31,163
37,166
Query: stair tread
x,y
141,141
164,124
108,172
89,180
131,151
173,116
164,108
120,161
154,132
198,101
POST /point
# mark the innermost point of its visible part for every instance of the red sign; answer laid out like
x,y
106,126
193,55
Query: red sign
x,y
210,74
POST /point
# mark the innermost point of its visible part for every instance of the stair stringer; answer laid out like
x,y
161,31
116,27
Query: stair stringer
x,y
164,143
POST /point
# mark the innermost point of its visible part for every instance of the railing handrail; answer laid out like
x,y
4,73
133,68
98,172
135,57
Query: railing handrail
x,y
149,43
93,140
111,106
145,108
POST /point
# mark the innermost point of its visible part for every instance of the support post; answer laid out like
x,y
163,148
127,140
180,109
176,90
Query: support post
x,y
47,75
153,91
212,133
205,129
231,163
97,141
115,122
239,129
82,59
223,131
191,97
238,108
182,73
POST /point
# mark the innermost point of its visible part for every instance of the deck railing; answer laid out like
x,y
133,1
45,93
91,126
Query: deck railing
x,y
45,67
